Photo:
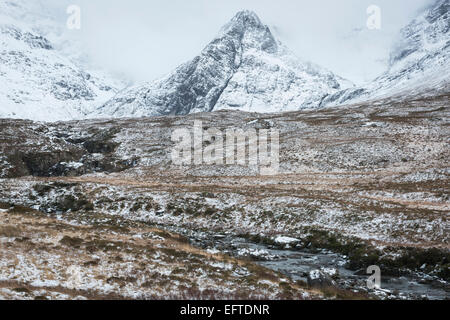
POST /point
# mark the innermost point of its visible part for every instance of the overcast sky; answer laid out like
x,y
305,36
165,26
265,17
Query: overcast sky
x,y
145,39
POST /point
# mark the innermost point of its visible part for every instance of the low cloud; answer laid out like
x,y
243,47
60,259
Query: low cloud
x,y
146,39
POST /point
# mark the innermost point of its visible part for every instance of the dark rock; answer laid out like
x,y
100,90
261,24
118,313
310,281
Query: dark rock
x,y
100,142
41,163
42,189
70,203
320,280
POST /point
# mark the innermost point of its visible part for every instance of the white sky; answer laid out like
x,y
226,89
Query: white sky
x,y
145,39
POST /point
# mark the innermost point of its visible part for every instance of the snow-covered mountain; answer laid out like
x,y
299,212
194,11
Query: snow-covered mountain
x,y
419,62
37,80
244,68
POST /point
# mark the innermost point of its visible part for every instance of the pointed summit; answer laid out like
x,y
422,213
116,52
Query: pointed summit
x,y
245,19
246,27
244,68
247,15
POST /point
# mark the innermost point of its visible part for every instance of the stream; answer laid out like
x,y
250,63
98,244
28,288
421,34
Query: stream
x,y
298,263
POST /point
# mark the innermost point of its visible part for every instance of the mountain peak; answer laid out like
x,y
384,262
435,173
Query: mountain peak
x,y
247,17
247,29
243,21
243,68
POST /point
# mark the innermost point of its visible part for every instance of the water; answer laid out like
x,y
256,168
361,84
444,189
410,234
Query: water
x,y
296,264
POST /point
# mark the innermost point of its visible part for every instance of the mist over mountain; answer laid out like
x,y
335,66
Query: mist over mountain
x,y
419,61
44,75
39,80
244,68
294,184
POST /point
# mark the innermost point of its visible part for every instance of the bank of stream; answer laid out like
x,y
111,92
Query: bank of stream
x,y
300,264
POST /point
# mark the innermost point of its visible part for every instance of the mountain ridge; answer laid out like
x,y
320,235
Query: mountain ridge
x,y
244,68
38,80
419,62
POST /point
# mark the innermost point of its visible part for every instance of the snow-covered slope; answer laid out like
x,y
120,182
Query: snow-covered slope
x,y
38,81
419,63
244,68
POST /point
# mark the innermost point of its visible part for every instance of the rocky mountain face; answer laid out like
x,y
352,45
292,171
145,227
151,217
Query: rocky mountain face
x,y
38,81
419,62
244,68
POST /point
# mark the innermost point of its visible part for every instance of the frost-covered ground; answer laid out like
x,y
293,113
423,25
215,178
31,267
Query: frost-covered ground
x,y
99,257
368,181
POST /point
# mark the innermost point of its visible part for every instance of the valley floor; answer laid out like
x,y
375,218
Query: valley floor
x,y
368,182
100,257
